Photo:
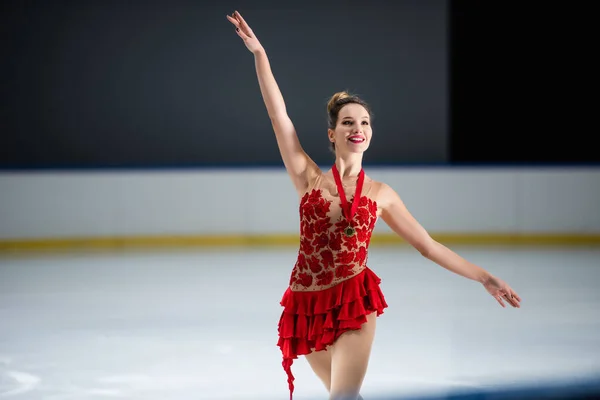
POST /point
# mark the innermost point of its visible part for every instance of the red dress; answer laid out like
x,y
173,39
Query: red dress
x,y
331,288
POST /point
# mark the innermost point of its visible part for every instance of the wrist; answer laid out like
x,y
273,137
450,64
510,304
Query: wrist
x,y
259,52
483,277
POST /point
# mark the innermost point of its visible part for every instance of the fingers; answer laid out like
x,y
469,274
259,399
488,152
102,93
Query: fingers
x,y
240,24
242,21
499,300
238,29
506,294
242,34
233,21
511,300
516,296
511,297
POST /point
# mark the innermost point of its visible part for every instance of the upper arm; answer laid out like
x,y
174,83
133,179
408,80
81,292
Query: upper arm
x,y
395,214
298,164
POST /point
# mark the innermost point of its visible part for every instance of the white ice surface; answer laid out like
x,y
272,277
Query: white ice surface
x,y
203,324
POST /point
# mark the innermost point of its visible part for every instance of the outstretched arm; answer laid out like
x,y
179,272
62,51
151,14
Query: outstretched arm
x,y
399,219
299,166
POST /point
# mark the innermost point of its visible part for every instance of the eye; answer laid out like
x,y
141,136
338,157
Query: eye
x,y
365,122
347,122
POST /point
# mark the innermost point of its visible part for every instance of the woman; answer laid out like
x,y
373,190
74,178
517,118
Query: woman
x,y
333,298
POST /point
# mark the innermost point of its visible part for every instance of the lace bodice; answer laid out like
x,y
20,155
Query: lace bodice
x,y
327,256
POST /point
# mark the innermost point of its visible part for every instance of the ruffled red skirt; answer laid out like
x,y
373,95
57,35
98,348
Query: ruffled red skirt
x,y
314,320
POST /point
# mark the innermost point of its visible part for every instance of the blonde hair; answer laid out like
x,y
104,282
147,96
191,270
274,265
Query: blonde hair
x,y
335,98
336,103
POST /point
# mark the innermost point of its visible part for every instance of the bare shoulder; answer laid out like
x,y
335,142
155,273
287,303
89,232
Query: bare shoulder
x,y
385,196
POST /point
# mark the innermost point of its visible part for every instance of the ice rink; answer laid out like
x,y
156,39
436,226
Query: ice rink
x,y
202,324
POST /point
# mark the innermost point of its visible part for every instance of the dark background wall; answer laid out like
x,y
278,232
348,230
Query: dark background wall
x,y
107,83
521,83
168,83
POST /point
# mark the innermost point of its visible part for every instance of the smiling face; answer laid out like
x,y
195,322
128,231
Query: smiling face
x,y
352,133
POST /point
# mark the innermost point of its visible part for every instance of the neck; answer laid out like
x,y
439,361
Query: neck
x,y
349,165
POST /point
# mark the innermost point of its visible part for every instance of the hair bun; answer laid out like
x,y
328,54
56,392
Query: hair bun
x,y
335,98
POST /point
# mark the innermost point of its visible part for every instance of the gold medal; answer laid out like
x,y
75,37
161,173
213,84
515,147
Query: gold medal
x,y
349,231
348,210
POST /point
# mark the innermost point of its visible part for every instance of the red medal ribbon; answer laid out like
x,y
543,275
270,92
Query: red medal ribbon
x,y
349,212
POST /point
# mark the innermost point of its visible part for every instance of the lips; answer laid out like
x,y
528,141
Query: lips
x,y
356,139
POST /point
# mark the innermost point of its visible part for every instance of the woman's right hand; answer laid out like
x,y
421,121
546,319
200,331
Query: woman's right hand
x,y
243,30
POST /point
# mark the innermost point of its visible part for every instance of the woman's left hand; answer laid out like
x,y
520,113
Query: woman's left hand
x,y
502,292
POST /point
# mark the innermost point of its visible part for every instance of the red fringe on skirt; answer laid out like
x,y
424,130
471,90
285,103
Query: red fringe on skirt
x,y
314,320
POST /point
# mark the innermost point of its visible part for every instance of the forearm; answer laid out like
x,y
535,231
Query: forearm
x,y
268,86
451,261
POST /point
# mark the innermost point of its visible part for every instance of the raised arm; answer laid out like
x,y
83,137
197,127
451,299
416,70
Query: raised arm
x,y
297,163
399,219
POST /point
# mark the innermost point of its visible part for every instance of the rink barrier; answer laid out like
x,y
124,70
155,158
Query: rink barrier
x,y
203,241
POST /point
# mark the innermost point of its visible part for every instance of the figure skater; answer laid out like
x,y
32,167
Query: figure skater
x,y
333,298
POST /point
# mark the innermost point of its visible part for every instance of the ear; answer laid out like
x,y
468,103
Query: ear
x,y
331,135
